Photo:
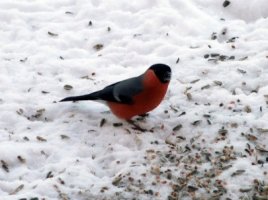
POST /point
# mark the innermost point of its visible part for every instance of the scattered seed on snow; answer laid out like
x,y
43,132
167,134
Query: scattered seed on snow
x,y
251,137
102,122
195,81
261,149
4,165
118,124
18,189
177,128
205,87
45,92
238,172
20,111
41,139
183,113
241,71
222,131
196,123
117,180
68,87
21,159
226,3
49,175
213,36
52,34
64,137
61,181
219,83
69,13
206,55
214,55
243,58
189,96
98,47
247,109
263,130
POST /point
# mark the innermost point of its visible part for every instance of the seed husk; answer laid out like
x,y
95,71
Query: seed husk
x,y
261,149
263,130
214,55
251,137
196,80
219,83
197,122
117,180
117,124
241,71
64,137
19,188
226,3
205,87
177,128
41,139
183,113
189,96
206,55
69,13
68,87
247,109
98,47
102,122
52,34
49,175
21,159
213,36
4,165
222,131
238,172
243,58
45,92
244,190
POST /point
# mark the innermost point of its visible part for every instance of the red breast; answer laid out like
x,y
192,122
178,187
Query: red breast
x,y
151,96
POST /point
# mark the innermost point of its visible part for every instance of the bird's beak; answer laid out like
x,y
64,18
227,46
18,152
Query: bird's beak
x,y
167,76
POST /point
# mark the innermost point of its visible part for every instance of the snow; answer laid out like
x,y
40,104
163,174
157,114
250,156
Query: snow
x,y
52,150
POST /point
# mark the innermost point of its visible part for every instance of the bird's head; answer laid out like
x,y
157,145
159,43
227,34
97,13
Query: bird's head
x,y
162,71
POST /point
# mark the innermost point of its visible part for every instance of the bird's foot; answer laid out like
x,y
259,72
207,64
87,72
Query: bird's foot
x,y
142,117
136,126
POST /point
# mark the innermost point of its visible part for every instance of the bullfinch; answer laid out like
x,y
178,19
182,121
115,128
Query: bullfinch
x,y
133,96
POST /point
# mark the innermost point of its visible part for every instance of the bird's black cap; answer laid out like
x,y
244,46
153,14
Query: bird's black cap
x,y
162,71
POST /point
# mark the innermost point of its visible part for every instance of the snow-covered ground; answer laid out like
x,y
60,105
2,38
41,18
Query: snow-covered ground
x,y
207,140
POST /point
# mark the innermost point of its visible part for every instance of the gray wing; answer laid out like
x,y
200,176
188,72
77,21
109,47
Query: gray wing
x,y
121,92
124,91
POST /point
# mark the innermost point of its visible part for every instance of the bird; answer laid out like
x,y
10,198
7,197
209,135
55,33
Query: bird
x,y
133,96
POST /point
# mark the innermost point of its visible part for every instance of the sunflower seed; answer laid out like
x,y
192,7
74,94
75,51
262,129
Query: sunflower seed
x,y
177,128
226,3
52,34
68,87
19,188
98,47
238,172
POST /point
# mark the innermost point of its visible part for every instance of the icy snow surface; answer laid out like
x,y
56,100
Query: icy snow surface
x,y
208,138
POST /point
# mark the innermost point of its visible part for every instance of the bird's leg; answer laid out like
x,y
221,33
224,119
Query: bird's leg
x,y
136,126
142,117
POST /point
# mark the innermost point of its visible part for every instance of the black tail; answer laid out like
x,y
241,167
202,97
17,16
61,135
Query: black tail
x,y
92,96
